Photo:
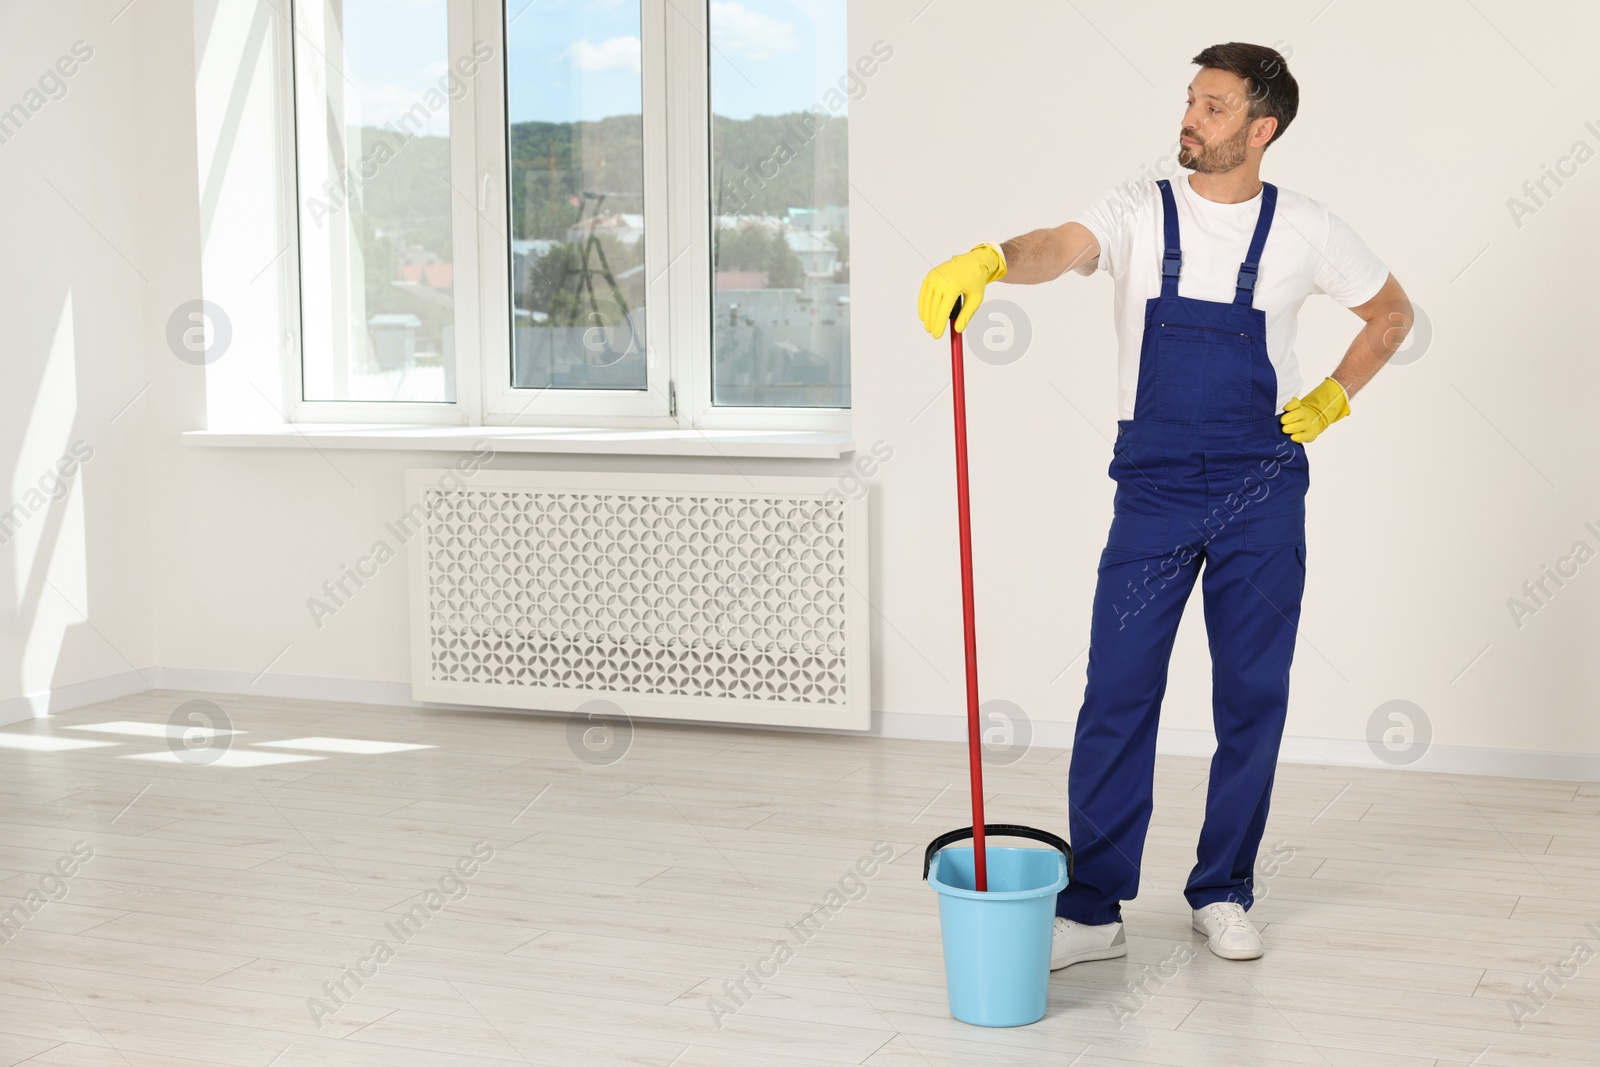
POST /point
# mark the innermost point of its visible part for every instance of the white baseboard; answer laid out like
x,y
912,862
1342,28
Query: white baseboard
x,y
291,686
64,698
1322,751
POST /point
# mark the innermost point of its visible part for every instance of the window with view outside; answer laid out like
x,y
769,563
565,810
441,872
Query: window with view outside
x,y
372,127
780,222
574,107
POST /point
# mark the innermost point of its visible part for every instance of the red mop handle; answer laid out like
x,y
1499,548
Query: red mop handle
x,y
980,858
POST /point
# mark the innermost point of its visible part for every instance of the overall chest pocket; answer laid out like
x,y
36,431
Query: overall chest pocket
x,y
1203,373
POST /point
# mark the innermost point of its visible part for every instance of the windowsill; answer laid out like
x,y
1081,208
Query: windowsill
x,y
786,444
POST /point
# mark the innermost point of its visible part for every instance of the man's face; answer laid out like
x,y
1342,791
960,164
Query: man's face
x,y
1216,130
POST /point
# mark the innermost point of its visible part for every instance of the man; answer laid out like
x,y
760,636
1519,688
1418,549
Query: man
x,y
1210,466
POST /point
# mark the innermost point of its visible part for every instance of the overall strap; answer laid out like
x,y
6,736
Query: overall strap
x,y
1171,256
1244,289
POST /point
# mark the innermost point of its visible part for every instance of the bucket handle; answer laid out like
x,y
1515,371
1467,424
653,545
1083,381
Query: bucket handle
x,y
997,829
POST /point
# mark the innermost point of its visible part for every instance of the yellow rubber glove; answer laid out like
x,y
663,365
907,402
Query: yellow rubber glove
x,y
1325,405
961,276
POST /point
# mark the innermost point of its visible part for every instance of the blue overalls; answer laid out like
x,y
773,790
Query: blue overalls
x,y
1205,475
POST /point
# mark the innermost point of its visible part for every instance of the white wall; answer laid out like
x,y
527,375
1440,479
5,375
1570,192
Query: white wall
x,y
75,277
1458,477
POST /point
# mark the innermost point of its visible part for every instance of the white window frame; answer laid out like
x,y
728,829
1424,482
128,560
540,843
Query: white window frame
x,y
679,298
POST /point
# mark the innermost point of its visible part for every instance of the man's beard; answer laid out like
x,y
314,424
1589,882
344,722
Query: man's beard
x,y
1215,157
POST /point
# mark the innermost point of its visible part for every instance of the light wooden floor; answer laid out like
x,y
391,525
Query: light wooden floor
x,y
1407,910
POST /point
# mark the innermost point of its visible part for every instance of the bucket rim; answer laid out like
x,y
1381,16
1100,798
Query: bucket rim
x,y
946,889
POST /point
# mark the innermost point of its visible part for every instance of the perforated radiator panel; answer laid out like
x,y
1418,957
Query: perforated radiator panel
x,y
726,599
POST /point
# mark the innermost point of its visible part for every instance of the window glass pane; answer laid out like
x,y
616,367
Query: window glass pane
x,y
574,104
781,82
372,128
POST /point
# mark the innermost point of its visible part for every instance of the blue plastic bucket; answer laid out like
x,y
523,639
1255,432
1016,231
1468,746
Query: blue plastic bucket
x,y
997,943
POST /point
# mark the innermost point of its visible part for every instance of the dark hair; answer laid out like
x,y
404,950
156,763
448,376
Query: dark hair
x,y
1273,90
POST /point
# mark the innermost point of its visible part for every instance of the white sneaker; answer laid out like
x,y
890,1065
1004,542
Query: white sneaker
x,y
1074,942
1228,932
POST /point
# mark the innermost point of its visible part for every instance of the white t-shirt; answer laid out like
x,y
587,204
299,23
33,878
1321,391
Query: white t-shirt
x,y
1309,250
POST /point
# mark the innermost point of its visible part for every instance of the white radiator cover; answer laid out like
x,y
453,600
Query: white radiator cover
x,y
717,598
